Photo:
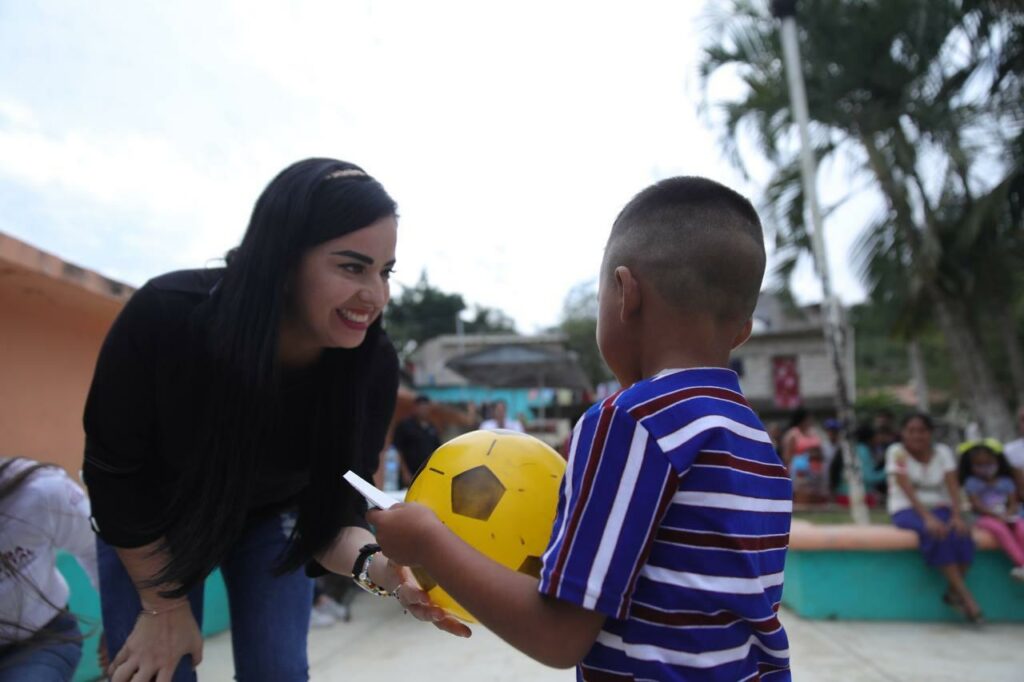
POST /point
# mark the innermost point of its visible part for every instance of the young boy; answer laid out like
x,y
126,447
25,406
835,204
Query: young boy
x,y
666,559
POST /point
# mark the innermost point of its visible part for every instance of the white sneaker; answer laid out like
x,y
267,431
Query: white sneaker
x,y
1017,573
320,617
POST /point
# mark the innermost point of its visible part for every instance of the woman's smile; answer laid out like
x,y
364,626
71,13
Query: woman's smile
x,y
356,319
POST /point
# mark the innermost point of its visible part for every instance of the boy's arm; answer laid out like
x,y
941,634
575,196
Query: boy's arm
x,y
552,631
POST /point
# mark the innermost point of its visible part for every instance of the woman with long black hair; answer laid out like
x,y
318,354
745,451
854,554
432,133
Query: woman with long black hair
x,y
226,405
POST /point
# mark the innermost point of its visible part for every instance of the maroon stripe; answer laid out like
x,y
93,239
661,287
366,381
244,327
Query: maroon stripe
x,y
668,491
770,668
583,494
595,675
696,619
683,618
757,543
766,626
661,402
724,459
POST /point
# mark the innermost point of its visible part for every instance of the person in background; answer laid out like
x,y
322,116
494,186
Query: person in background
x,y
830,446
41,511
332,600
501,421
924,496
802,453
988,482
884,421
1014,452
415,439
472,416
799,439
872,476
884,437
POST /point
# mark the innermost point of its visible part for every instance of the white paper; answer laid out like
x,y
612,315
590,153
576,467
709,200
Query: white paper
x,y
375,496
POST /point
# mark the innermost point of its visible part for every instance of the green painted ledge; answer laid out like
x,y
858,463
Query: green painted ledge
x,y
893,584
85,603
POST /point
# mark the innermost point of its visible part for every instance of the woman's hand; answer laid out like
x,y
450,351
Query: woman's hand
x,y
404,533
156,645
415,601
934,526
958,525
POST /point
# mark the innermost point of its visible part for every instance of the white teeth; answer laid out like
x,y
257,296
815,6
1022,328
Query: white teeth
x,y
358,318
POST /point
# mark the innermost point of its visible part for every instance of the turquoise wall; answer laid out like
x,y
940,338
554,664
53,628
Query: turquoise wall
x,y
893,585
517,399
85,603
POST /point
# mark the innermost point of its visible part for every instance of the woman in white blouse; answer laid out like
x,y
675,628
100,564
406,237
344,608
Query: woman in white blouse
x,y
41,510
924,496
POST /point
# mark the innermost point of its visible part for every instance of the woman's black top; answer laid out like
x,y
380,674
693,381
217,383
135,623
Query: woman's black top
x,y
145,398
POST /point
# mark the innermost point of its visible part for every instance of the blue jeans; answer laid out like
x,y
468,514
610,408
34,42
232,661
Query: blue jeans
x,y
269,615
54,662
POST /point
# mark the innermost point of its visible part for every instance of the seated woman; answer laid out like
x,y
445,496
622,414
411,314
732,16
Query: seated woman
x,y
41,511
802,455
922,489
872,475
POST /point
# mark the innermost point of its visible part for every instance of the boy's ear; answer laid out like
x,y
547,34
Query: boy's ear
x,y
743,335
630,299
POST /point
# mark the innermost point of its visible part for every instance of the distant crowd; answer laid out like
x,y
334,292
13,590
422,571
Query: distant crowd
x,y
926,486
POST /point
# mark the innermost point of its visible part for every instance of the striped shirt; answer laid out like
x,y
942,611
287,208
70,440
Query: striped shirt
x,y
673,521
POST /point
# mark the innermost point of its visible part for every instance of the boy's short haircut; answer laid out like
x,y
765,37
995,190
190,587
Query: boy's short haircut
x,y
698,242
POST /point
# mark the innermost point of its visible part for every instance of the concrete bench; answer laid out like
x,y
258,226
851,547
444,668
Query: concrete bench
x,y
875,572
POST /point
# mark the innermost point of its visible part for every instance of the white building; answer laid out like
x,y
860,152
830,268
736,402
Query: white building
x,y
790,336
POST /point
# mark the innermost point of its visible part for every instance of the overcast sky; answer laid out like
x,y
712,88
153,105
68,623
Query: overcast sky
x,y
135,136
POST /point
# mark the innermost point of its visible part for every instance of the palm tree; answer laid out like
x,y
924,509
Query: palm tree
x,y
915,98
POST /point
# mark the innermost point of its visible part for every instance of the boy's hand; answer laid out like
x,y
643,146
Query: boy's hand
x,y
404,531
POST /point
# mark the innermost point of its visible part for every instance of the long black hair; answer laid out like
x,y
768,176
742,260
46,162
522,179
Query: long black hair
x,y
308,203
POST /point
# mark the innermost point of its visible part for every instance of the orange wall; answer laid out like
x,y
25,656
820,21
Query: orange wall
x,y
50,334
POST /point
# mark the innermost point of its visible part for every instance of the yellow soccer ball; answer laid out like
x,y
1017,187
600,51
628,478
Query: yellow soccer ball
x,y
498,491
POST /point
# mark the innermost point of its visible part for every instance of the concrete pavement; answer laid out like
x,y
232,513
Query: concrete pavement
x,y
381,644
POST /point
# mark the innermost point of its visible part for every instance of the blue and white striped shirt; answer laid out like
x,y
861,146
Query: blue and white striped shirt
x,y
673,521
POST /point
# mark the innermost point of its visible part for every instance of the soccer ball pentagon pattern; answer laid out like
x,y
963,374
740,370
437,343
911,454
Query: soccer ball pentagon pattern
x,y
498,491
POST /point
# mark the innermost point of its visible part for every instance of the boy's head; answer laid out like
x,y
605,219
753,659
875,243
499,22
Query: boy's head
x,y
697,246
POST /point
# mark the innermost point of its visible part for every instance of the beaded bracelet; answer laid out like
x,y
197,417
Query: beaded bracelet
x,y
362,577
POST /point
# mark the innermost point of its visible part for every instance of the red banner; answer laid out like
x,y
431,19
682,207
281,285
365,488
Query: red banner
x,y
787,382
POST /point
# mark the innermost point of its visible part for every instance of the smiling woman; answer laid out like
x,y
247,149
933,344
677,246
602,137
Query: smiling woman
x,y
225,407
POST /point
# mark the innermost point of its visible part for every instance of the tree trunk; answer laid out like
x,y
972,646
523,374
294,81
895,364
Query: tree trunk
x,y
973,372
918,376
974,375
1014,354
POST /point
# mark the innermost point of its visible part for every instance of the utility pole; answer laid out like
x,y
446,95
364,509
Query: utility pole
x,y
785,10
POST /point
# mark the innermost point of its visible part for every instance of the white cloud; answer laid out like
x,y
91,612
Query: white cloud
x,y
510,135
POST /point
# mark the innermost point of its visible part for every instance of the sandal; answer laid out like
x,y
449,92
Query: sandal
x,y
951,599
